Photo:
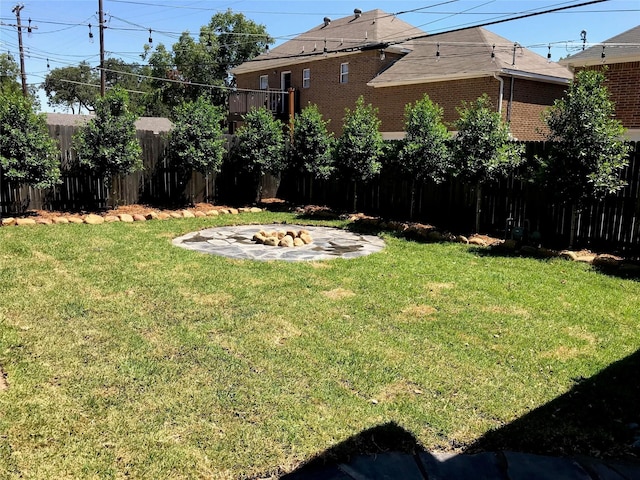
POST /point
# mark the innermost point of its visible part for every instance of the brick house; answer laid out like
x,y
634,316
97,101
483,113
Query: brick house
x,y
621,66
377,55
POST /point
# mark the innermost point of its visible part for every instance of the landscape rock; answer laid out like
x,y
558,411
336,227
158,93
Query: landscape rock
x,y
298,242
200,214
7,222
213,213
93,219
44,221
224,211
138,217
286,241
163,216
175,215
462,239
25,221
233,211
126,218
477,241
259,238
111,218
152,216
568,255
306,238
255,210
187,214
74,219
608,261
271,241
586,258
59,220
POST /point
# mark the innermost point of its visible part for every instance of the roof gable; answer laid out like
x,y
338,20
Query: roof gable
x,y
624,47
344,35
469,53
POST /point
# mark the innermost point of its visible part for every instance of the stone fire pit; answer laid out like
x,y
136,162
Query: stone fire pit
x,y
237,241
283,238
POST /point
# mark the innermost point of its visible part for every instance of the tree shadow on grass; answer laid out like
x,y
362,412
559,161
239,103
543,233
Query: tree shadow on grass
x,y
598,417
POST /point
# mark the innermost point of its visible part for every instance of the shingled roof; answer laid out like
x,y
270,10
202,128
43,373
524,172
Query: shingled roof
x,y
624,47
468,54
340,37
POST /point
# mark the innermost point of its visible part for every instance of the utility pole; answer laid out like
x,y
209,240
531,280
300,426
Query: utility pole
x,y
23,75
102,72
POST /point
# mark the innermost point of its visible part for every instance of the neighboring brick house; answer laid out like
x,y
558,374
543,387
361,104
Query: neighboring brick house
x,y
368,54
621,66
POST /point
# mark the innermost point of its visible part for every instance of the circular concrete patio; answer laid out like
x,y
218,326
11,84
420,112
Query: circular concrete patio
x,y
236,242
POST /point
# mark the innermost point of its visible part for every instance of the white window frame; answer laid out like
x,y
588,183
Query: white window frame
x,y
306,77
344,72
264,82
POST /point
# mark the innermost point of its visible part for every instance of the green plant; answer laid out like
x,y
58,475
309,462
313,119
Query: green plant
x,y
196,141
360,147
107,145
425,154
587,152
260,144
482,149
312,148
28,155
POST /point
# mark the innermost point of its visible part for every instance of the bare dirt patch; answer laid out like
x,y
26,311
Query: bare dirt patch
x,y
419,310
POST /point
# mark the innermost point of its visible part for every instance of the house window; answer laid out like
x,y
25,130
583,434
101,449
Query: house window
x,y
264,82
306,78
344,72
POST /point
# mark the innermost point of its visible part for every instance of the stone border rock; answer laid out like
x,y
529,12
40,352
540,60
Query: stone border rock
x,y
93,219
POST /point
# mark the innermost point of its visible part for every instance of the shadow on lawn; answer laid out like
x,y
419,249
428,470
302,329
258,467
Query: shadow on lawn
x,y
598,417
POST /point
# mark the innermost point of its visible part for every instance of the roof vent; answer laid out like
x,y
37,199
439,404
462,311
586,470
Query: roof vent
x,y
327,21
357,12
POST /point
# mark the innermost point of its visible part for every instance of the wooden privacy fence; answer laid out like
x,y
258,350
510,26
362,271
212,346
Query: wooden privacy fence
x,y
609,225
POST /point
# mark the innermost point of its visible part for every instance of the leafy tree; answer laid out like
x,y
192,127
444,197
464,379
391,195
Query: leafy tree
x,y
72,87
28,155
196,141
131,77
9,73
587,152
260,144
227,41
360,146
425,153
482,150
312,146
107,145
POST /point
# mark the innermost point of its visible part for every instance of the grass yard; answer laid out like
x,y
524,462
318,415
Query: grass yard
x,y
125,355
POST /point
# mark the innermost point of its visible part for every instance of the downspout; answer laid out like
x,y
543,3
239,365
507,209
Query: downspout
x,y
509,107
501,93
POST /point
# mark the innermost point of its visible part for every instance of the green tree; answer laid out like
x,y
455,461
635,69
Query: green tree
x,y
196,141
260,144
482,150
107,145
131,77
312,147
227,41
28,155
9,73
360,147
72,87
587,152
425,154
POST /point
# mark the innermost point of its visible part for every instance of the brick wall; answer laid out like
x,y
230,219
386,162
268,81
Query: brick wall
x,y
623,82
529,100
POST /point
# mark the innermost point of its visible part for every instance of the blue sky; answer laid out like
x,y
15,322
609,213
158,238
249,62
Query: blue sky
x,y
62,34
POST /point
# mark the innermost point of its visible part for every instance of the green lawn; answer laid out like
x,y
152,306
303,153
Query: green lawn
x,y
126,355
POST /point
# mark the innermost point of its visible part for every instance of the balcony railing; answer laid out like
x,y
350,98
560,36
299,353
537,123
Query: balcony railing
x,y
241,102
